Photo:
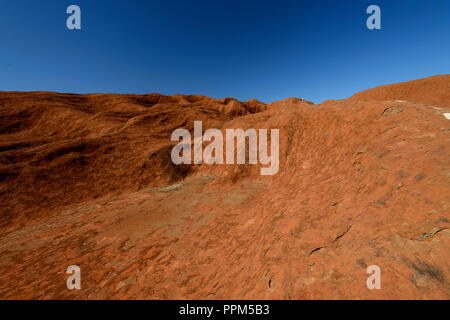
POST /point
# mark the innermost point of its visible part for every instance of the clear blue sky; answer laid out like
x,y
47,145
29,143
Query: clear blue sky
x,y
268,50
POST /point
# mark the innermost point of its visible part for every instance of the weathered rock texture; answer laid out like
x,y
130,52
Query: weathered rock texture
x,y
88,180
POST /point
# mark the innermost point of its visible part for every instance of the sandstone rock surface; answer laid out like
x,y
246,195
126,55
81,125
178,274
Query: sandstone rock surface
x,y
87,180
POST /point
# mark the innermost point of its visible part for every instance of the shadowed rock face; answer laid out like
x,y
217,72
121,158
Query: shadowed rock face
x,y
88,180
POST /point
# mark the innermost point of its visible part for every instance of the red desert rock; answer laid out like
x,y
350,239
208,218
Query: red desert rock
x,y
88,180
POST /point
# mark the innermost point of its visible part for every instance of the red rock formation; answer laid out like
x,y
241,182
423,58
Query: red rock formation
x,y
88,180
431,91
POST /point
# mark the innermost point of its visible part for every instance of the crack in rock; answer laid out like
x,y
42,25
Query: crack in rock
x,y
315,250
342,234
334,241
428,234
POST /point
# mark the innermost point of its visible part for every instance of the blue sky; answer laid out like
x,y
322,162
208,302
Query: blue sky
x,y
267,50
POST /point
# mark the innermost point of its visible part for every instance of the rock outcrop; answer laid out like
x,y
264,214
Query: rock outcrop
x,y
88,180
